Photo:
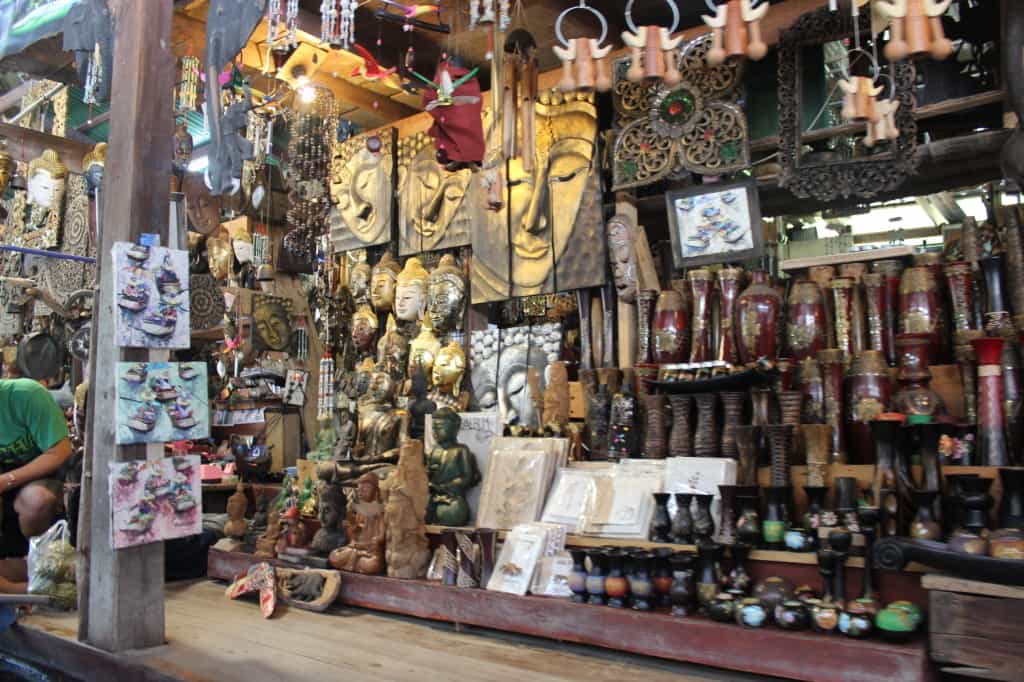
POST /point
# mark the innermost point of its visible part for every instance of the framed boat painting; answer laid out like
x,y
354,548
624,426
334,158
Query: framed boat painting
x,y
715,223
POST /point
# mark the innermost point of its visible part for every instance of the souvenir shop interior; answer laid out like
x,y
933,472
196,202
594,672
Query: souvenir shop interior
x,y
685,329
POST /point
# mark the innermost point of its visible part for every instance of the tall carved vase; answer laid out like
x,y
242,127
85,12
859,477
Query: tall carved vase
x,y
1014,260
932,260
810,384
822,275
748,446
700,344
914,397
729,286
992,450
995,309
758,315
843,289
874,307
892,270
680,443
868,395
806,322
919,308
645,299
780,440
831,362
818,443
707,438
774,524
732,415
791,410
969,247
655,445
961,294
858,326
671,333
623,434
965,358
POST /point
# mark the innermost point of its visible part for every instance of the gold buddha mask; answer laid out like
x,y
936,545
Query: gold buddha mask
x,y
437,207
359,282
46,177
424,349
411,291
448,369
272,321
361,189
383,282
364,328
446,295
220,257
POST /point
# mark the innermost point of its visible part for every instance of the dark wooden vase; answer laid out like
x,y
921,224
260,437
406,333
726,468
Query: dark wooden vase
x,y
780,440
808,380
680,442
707,441
732,415
868,394
758,315
858,309
959,284
790,413
886,484
831,362
644,313
655,441
748,448
843,290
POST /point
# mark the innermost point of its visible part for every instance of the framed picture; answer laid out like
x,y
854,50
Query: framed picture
x,y
716,223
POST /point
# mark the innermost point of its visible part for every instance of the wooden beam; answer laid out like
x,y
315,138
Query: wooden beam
x,y
43,59
94,121
25,143
123,605
14,96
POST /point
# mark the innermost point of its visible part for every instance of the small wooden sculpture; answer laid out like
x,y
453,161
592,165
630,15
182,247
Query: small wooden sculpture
x,y
266,544
236,507
365,528
916,28
652,55
406,494
859,103
885,127
736,31
556,399
331,512
584,65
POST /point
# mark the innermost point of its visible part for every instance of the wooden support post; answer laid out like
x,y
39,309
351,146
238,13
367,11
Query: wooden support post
x,y
123,603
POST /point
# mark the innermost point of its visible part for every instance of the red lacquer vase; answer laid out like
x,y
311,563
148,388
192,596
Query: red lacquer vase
x,y
671,332
991,425
892,270
700,285
832,362
914,396
758,311
730,281
959,283
843,289
868,393
874,307
919,308
806,322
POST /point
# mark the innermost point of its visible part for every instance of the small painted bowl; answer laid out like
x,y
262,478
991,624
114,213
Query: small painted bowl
x,y
856,625
797,540
805,593
791,615
722,608
824,616
896,624
751,613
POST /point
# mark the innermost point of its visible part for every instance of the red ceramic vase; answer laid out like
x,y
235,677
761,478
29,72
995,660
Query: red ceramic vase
x,y
729,283
919,307
991,425
700,285
758,310
806,322
843,289
961,294
671,333
874,305
892,270
868,394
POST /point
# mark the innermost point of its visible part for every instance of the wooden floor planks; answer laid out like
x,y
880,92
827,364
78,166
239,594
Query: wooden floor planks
x,y
213,639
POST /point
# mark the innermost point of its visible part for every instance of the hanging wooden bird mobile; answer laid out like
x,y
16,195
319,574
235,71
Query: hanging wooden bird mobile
x,y
371,69
486,12
736,30
410,16
446,88
916,28
652,49
584,61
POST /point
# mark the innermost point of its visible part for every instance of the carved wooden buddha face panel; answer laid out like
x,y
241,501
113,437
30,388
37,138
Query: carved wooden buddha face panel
x,y
437,207
362,190
553,214
383,282
272,322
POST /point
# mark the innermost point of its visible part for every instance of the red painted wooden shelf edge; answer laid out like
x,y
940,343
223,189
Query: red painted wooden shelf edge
x,y
763,651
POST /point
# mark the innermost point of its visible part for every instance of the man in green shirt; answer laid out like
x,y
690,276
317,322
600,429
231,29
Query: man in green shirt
x,y
33,446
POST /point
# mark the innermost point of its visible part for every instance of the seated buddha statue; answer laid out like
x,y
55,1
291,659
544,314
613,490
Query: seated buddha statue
x,y
381,427
365,527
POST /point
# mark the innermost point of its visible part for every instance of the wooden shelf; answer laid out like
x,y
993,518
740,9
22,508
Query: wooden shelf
x,y
694,639
853,257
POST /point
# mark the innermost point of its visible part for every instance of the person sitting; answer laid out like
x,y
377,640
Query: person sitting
x,y
34,445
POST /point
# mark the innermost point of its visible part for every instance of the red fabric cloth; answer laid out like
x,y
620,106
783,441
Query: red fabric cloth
x,y
457,129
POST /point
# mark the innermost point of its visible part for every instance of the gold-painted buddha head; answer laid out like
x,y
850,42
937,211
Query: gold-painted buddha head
x,y
383,283
446,295
46,178
449,367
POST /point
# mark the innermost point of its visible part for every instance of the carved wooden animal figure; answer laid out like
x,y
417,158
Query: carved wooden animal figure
x,y
916,28
885,127
736,31
652,51
590,62
859,103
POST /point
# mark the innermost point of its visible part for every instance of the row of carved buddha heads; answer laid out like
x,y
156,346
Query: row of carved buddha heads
x,y
411,292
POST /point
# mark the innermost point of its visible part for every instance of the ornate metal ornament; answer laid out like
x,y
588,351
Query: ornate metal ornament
x,y
437,208
693,127
361,185
860,177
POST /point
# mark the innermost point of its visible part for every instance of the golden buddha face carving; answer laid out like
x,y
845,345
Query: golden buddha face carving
x,y
383,282
272,322
424,349
220,257
411,291
553,210
361,189
437,207
446,295
449,367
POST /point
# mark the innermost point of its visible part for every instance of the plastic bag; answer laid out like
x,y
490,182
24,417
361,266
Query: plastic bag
x,y
52,566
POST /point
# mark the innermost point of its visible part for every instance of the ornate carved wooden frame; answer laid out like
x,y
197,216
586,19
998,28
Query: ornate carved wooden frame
x,y
864,177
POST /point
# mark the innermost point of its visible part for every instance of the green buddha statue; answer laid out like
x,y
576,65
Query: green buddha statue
x,y
452,470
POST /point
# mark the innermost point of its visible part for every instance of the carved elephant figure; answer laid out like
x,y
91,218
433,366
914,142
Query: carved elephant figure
x,y
736,31
885,127
584,65
228,27
916,28
652,50
859,103
89,33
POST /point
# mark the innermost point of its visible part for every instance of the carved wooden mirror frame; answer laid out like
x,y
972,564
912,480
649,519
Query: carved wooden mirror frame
x,y
860,177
